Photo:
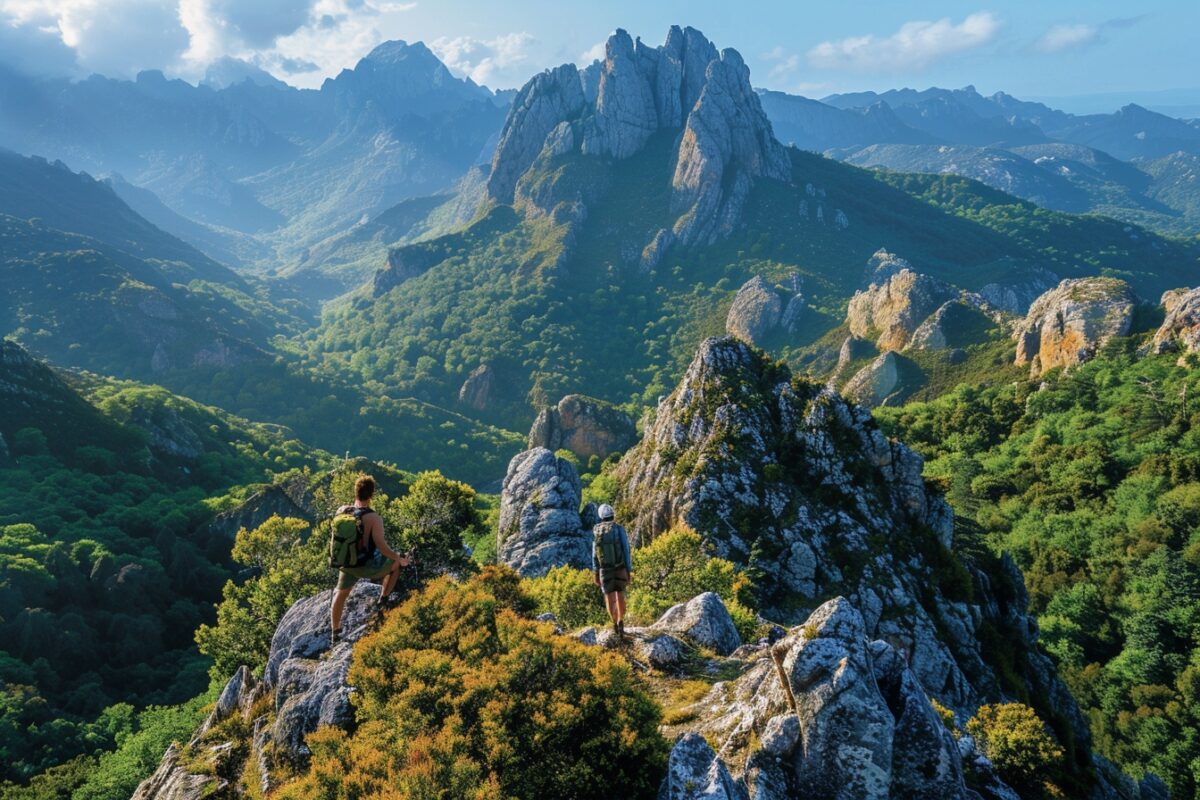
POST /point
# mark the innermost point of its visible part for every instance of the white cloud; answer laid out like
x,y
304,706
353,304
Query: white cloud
x,y
496,62
783,63
914,46
1070,36
596,52
145,34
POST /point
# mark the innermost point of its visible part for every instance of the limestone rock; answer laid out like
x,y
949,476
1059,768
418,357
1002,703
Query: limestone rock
x,y
546,100
882,266
614,106
755,312
404,264
1180,329
1171,298
585,426
892,310
540,525
310,690
1015,297
290,499
887,380
654,252
704,620
931,334
695,773
661,651
1068,324
476,391
172,782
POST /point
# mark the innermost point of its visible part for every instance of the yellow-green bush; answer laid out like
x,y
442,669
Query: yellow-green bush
x,y
1016,741
570,594
676,567
461,696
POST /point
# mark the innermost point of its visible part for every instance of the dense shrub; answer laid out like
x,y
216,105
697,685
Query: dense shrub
x,y
570,594
462,696
1016,742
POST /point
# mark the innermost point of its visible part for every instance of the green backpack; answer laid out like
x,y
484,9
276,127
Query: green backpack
x,y
348,545
607,546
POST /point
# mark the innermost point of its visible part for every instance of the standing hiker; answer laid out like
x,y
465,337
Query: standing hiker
x,y
358,548
612,565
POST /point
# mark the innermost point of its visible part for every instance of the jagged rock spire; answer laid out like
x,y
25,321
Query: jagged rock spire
x,y
725,138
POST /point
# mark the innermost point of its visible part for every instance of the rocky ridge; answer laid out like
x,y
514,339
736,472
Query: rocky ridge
x,y
892,309
1180,329
612,108
585,426
784,473
1069,323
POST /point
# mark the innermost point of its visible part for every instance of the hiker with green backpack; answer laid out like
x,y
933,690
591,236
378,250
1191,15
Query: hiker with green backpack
x,y
612,565
359,550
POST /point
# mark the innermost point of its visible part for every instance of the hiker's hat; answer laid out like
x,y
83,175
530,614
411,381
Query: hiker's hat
x,y
606,512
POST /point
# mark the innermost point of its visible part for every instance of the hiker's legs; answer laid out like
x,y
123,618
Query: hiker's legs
x,y
390,581
620,606
339,605
610,602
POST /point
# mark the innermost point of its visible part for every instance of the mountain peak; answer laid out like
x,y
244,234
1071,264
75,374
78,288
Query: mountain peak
x,y
613,107
397,50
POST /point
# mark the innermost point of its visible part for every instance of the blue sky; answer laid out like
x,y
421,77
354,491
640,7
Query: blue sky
x,y
1055,48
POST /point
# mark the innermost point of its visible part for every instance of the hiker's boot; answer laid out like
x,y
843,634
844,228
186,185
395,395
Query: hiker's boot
x,y
335,636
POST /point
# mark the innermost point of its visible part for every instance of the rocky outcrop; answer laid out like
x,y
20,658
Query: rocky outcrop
x,y
289,499
1180,329
540,524
882,266
585,426
886,381
694,772
476,390
1015,297
171,781
758,311
1068,324
932,334
612,108
829,714
549,98
403,264
757,460
890,311
705,621
727,142
308,678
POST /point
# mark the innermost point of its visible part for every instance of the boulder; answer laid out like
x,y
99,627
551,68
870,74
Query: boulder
x,y
705,621
1180,329
888,380
695,773
476,391
755,311
882,266
585,426
540,525
891,311
661,651
1068,324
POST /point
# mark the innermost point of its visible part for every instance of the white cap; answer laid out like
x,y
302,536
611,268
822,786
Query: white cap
x,y
606,512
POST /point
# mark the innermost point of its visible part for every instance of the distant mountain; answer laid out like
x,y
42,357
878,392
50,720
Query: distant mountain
x,y
813,125
249,153
1099,163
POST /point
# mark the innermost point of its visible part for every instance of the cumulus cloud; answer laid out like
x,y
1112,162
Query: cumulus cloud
x,y
36,50
1072,36
783,64
145,34
500,61
596,52
914,46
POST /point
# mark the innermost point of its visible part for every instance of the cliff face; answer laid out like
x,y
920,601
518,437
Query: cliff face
x,y
1180,329
612,110
893,308
1069,323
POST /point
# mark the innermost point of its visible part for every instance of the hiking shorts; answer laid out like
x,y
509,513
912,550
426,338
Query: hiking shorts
x,y
376,568
614,580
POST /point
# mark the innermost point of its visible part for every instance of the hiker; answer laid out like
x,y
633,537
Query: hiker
x,y
612,565
360,551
